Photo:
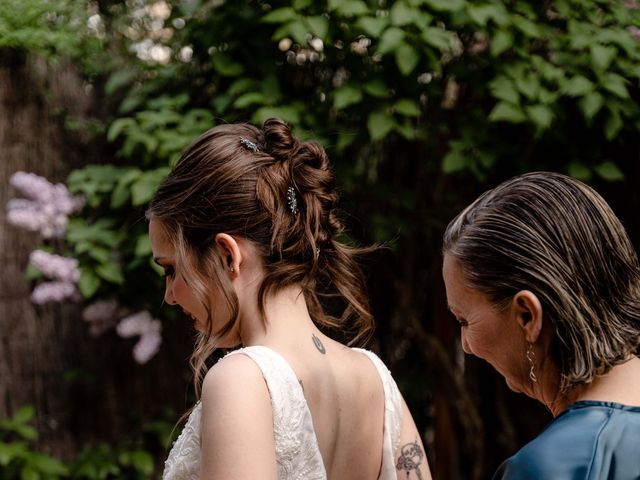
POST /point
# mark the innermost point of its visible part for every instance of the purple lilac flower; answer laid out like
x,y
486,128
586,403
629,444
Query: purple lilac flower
x,y
55,266
141,323
102,315
54,291
46,208
147,347
28,217
135,324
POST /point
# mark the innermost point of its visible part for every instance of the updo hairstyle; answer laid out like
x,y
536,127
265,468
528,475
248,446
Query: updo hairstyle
x,y
236,179
555,236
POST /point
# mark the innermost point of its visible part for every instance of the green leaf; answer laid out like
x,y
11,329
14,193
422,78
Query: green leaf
x,y
302,4
372,26
446,5
225,66
454,161
437,37
145,186
577,86
507,112
143,462
379,125
407,130
591,104
349,8
503,88
119,126
143,246
29,473
602,56
24,414
541,115
400,14
45,464
118,80
27,432
10,451
345,96
501,41
122,192
609,171
390,40
612,125
88,283
249,98
376,88
526,26
299,31
480,14
528,84
407,107
318,25
615,84
288,113
280,15
111,272
406,58
579,171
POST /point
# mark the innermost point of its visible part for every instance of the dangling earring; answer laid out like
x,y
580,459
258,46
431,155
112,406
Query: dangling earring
x,y
531,356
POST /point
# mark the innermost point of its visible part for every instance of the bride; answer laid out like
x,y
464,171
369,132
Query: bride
x,y
246,229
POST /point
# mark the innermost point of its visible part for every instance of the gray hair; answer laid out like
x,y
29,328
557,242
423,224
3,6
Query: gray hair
x,y
555,236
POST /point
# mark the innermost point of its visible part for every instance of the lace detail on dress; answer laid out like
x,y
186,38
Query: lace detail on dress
x,y
183,462
297,453
392,417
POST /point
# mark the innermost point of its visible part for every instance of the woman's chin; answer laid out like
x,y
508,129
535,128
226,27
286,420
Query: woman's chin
x,y
513,387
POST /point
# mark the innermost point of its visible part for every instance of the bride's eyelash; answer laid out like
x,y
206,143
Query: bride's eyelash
x,y
168,272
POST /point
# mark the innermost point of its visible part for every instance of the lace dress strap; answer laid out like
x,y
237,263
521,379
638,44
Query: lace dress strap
x,y
297,452
183,462
392,417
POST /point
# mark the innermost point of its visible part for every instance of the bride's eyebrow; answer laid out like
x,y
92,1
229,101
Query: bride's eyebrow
x,y
159,260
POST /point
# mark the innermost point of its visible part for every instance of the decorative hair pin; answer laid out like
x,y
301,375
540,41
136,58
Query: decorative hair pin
x,y
249,144
292,200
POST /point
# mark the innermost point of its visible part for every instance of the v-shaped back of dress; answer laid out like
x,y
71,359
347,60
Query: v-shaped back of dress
x,y
297,453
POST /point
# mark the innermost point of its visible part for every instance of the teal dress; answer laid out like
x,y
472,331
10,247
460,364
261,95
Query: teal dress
x,y
588,441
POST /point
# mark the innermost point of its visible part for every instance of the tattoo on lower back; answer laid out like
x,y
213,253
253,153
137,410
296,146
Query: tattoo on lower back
x,y
318,344
410,458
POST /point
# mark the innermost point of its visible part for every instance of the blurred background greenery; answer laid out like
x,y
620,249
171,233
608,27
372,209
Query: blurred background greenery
x,y
421,104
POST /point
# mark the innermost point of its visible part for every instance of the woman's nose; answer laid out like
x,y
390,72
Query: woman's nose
x,y
464,342
168,294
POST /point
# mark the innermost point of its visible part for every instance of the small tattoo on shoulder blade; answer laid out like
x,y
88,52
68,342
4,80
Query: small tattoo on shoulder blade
x,y
410,458
318,344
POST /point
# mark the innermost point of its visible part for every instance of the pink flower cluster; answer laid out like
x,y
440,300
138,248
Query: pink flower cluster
x,y
149,330
63,273
102,315
46,208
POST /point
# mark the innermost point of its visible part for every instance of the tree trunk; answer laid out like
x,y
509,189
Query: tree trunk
x,y
85,390
32,346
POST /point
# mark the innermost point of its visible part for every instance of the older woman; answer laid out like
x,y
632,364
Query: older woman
x,y
545,284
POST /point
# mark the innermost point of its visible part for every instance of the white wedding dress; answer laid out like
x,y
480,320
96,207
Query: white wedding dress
x,y
297,452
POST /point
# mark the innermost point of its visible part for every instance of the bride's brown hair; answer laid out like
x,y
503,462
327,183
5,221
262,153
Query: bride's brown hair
x,y
236,179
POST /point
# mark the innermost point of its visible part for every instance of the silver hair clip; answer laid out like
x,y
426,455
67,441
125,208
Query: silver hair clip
x,y
249,144
292,200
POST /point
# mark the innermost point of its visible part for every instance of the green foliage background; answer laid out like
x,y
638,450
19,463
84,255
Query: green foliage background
x,y
421,105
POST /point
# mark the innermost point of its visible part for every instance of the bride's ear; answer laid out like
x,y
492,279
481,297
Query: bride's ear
x,y
231,253
527,310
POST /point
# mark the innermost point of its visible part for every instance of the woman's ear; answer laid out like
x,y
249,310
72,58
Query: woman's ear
x,y
528,312
231,251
